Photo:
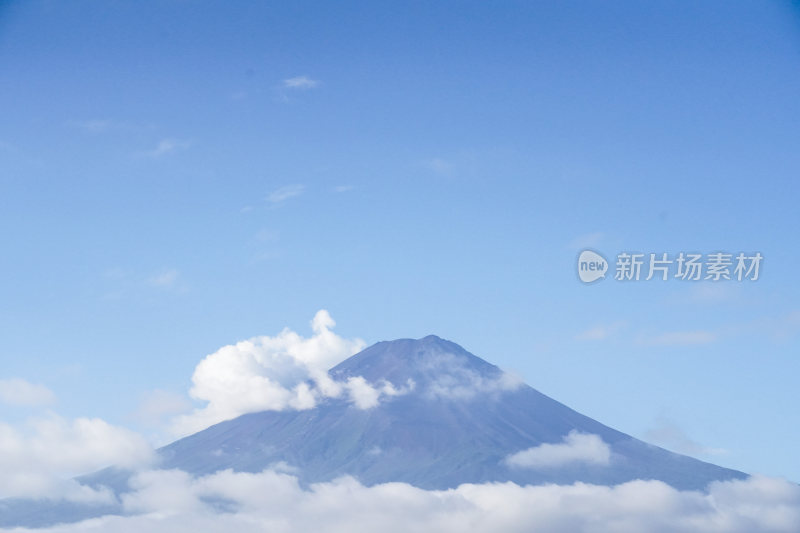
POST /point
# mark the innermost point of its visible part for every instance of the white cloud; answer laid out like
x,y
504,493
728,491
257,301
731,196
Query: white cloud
x,y
668,434
167,146
588,240
94,125
300,82
575,448
601,332
174,502
156,405
37,459
713,293
343,188
453,379
440,166
286,371
105,125
164,279
284,193
680,338
266,235
781,328
363,395
16,391
366,396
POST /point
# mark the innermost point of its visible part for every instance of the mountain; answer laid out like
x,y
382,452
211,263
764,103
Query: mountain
x,y
454,418
463,417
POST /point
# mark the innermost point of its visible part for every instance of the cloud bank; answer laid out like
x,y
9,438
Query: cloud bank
x,y
174,502
38,459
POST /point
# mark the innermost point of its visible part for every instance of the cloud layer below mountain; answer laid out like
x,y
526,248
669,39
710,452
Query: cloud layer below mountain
x,y
37,459
173,501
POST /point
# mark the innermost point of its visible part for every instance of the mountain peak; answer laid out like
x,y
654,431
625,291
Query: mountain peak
x,y
430,362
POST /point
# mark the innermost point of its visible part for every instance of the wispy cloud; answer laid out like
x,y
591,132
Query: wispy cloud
x,y
124,283
778,328
678,338
787,326
440,166
668,434
707,293
343,188
601,332
266,235
167,146
94,125
620,330
284,193
158,405
300,83
165,279
16,391
105,125
587,240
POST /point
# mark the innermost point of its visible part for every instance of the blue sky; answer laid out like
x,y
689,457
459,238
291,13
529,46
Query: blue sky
x,y
180,175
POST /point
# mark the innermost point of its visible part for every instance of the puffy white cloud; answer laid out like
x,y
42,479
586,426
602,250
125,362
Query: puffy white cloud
x,y
286,371
366,396
575,448
171,501
37,459
362,393
16,391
